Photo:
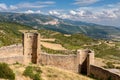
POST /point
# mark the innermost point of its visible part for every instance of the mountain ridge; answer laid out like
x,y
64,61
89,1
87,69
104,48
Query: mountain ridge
x,y
40,21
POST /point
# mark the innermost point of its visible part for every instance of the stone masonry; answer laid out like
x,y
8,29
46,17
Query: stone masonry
x,y
30,52
31,47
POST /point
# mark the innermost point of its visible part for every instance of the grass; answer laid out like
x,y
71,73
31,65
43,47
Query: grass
x,y
33,72
53,73
6,72
45,73
77,41
9,33
51,51
109,65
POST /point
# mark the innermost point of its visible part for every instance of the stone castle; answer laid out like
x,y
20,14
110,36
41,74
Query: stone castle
x,y
30,52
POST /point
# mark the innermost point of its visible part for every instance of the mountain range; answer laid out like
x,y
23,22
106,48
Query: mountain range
x,y
40,21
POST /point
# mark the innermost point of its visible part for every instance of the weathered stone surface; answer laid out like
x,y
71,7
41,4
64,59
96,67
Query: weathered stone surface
x,y
103,74
31,47
67,62
30,52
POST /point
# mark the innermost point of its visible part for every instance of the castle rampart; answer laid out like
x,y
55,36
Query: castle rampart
x,y
102,74
29,52
67,62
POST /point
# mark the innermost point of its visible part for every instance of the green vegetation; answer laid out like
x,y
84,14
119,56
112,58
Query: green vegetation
x,y
33,72
105,51
6,72
9,33
109,65
75,41
78,41
65,52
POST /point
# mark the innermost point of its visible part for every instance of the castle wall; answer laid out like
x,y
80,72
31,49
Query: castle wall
x,y
102,74
12,49
11,60
11,54
14,53
68,62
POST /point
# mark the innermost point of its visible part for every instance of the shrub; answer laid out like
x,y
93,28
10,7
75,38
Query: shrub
x,y
6,72
29,72
109,65
37,77
117,67
16,63
33,72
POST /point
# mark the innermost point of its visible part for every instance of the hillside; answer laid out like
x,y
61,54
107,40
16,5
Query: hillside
x,y
41,21
35,72
9,33
108,50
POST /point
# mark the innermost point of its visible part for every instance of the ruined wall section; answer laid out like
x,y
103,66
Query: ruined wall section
x,y
103,74
12,60
11,54
16,49
67,62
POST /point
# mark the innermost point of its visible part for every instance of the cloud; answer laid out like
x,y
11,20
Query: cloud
x,y
47,2
59,13
13,7
73,12
30,5
54,12
84,2
3,6
31,12
106,15
26,6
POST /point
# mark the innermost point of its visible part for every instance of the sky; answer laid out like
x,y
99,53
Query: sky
x,y
104,12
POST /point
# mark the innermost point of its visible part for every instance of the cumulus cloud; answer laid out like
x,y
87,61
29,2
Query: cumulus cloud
x,y
54,12
73,12
84,2
31,12
108,15
13,7
3,6
60,14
